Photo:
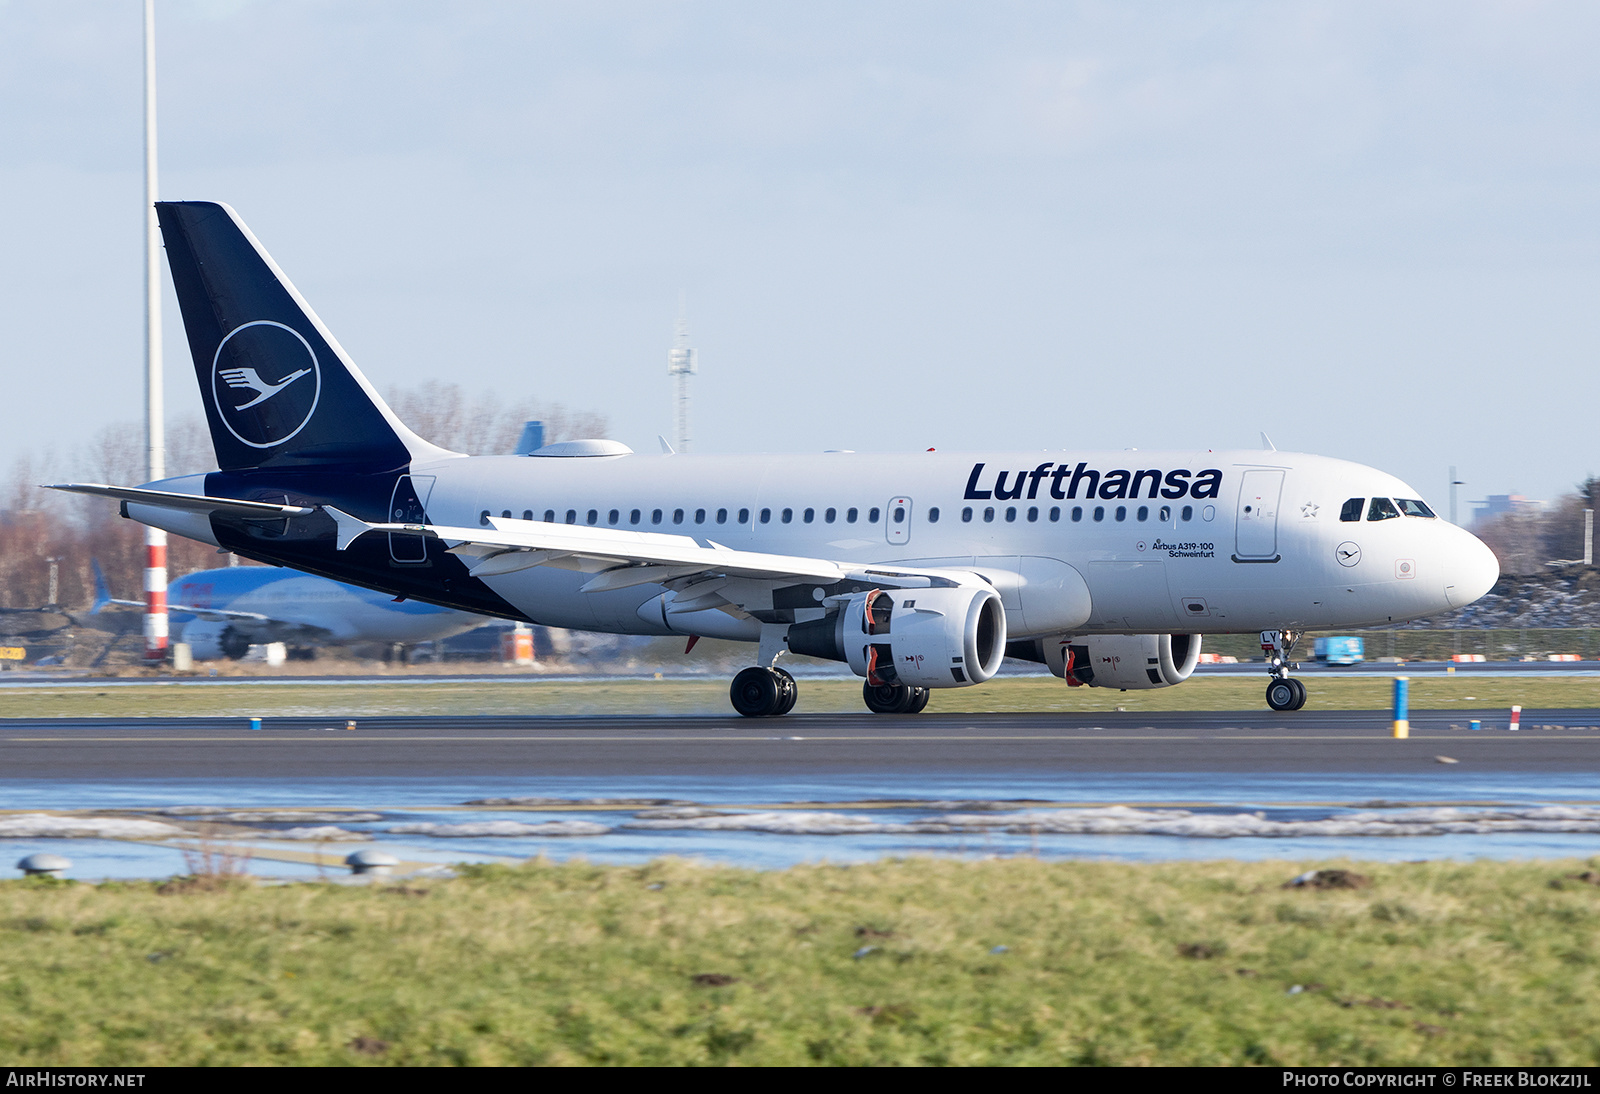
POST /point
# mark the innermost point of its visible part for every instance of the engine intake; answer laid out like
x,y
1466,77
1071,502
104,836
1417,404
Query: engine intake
x,y
1129,662
211,640
927,638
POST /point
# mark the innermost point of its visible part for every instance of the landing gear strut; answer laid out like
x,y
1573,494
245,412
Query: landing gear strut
x,y
1283,692
763,693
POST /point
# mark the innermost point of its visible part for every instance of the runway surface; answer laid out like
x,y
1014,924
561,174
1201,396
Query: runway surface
x,y
298,794
799,746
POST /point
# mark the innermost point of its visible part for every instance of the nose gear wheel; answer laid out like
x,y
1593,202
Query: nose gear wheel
x,y
1286,693
1283,692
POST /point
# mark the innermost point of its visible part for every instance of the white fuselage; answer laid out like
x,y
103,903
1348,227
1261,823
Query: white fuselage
x,y
1267,551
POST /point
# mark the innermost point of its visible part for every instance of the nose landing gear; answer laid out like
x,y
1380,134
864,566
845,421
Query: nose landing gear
x,y
1283,692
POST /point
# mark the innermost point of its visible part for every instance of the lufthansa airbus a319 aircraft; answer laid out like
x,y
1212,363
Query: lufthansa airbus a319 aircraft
x,y
919,571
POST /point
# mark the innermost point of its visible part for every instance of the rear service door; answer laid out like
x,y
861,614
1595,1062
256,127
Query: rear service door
x,y
898,521
409,506
1256,523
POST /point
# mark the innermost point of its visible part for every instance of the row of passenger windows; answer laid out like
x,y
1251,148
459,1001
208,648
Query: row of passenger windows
x,y
851,516
701,516
1383,509
1164,514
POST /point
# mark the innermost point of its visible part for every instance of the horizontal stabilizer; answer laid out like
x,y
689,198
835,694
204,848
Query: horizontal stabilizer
x,y
167,499
353,528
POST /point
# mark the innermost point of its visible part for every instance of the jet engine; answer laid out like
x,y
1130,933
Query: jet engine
x,y
211,640
923,638
1127,661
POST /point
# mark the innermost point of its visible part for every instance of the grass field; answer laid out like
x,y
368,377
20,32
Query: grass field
x,y
1010,961
534,696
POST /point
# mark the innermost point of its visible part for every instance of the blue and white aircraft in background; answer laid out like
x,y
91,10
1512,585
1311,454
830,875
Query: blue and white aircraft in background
x,y
222,613
920,571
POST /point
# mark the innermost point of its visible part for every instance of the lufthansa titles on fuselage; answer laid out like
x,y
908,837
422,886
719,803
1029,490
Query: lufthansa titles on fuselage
x,y
1063,481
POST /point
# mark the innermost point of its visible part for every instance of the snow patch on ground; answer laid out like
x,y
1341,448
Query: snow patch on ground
x,y
683,813
502,828
269,816
325,833
598,803
786,823
51,826
1121,821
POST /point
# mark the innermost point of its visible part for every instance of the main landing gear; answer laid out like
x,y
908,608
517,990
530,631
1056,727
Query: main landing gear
x,y
763,693
894,698
767,693
1283,691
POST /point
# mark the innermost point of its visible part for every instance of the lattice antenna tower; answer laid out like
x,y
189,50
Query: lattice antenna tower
x,y
681,364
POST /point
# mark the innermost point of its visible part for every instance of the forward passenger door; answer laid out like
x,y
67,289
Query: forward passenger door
x,y
1256,522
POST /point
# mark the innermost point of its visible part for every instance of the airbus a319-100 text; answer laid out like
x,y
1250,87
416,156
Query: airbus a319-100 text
x,y
919,571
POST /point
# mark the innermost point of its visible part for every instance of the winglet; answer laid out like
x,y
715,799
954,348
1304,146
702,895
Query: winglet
x,y
350,528
666,446
1266,442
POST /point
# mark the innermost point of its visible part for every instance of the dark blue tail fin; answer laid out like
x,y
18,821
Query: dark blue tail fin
x,y
278,390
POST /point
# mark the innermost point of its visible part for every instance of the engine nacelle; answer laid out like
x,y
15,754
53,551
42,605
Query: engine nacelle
x,y
1126,661
211,640
925,638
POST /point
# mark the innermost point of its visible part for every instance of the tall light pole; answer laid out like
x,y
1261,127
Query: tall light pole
x,y
1454,482
155,447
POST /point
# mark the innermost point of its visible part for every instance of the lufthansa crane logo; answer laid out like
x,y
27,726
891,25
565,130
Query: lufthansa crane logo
x,y
265,383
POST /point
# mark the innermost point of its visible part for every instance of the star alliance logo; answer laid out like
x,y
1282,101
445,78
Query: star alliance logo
x,y
275,369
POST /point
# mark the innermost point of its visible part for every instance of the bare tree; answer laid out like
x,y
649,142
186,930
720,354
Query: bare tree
x,y
1517,540
189,450
37,525
485,424
1527,540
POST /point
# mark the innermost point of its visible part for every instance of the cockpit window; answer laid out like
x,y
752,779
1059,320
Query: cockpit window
x,y
1352,510
1413,508
1382,509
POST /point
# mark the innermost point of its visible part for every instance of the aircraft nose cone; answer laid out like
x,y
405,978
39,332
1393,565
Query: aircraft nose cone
x,y
1472,570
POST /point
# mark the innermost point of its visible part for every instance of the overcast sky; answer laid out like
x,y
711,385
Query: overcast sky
x,y
1369,229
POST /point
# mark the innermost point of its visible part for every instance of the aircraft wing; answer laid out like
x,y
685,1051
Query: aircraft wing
x,y
168,499
213,614
620,559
